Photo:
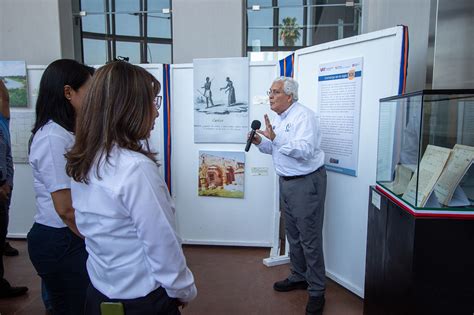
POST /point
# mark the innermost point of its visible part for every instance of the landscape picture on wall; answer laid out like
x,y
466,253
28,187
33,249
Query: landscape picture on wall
x,y
221,97
13,74
221,174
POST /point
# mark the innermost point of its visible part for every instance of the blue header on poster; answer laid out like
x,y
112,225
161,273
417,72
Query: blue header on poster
x,y
338,76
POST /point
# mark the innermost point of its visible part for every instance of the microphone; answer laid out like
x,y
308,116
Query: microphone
x,y
255,125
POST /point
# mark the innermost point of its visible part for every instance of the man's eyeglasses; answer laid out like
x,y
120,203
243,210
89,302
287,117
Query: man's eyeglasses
x,y
157,102
274,92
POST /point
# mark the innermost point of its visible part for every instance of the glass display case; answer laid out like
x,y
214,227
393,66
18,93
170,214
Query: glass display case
x,y
426,149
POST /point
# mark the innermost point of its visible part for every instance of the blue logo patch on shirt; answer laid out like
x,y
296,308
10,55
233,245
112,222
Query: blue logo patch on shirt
x,y
288,127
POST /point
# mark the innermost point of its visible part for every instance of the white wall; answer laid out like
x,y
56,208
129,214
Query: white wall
x,y
30,30
453,68
37,32
382,14
207,29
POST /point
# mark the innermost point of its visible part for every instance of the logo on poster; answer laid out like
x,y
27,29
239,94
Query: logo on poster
x,y
351,74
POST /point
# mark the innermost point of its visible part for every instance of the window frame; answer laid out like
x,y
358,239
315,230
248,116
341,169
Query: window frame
x,y
111,38
276,47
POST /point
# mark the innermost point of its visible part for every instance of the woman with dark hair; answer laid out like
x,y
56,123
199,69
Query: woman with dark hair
x,y
55,246
123,207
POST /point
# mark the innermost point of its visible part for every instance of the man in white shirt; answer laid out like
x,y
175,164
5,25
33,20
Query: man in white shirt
x,y
293,139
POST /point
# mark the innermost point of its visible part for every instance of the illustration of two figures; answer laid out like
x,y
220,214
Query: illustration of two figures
x,y
229,89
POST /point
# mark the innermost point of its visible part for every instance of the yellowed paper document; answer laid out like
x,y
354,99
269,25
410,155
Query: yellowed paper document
x,y
402,179
430,168
458,164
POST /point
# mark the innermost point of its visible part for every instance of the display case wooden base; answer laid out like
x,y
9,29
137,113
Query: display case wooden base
x,y
417,264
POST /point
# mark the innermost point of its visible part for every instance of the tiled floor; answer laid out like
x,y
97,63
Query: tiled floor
x,y
230,280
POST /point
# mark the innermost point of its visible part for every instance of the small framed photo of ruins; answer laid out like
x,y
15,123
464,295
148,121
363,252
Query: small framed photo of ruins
x,y
221,174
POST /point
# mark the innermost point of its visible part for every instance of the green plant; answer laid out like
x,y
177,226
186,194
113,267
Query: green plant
x,y
289,31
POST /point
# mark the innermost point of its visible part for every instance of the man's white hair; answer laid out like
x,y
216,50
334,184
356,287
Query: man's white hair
x,y
290,86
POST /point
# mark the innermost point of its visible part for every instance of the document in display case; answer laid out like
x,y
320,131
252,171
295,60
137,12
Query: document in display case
x,y
426,149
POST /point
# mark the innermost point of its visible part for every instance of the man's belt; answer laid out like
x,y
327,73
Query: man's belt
x,y
300,176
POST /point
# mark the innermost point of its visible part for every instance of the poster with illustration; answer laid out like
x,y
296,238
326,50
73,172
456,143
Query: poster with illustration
x,y
221,174
13,74
221,97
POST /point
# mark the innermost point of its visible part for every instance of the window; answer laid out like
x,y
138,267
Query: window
x,y
287,25
137,29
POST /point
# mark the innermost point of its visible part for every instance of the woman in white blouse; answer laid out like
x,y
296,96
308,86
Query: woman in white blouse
x,y
123,207
55,246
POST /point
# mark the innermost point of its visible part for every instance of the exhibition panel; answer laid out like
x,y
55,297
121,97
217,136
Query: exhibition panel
x,y
22,208
350,114
222,196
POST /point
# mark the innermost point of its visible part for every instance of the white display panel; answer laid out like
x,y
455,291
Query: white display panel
x,y
345,222
221,221
23,208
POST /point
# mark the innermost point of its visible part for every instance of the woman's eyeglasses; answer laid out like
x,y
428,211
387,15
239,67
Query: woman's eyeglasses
x,y
157,102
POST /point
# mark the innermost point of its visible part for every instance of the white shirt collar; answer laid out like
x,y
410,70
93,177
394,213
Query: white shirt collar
x,y
287,111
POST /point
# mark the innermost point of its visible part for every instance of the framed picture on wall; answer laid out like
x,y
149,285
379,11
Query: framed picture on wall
x,y
221,174
221,98
13,74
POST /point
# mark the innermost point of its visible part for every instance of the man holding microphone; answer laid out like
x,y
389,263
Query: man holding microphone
x,y
293,139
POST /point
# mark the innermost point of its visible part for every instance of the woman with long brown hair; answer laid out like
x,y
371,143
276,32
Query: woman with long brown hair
x,y
123,207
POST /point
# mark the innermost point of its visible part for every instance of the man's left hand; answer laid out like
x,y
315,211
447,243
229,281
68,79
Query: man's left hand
x,y
268,132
